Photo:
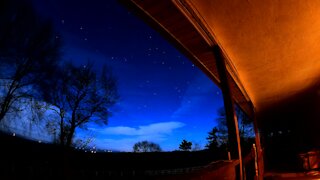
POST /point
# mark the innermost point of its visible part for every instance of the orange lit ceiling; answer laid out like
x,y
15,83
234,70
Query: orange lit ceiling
x,y
272,47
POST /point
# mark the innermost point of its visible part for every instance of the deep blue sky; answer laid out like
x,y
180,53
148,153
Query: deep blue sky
x,y
164,97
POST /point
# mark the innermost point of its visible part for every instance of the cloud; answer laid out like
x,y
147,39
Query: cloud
x,y
123,137
163,128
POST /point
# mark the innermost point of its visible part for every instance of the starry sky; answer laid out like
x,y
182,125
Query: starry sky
x,y
164,98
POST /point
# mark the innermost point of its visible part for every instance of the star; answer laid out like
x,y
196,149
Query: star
x,y
150,37
62,21
81,28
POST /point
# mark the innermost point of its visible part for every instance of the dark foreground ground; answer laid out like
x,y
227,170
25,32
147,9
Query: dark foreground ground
x,y
24,159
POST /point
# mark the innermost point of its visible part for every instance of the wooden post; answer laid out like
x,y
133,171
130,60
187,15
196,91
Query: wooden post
x,y
231,117
258,146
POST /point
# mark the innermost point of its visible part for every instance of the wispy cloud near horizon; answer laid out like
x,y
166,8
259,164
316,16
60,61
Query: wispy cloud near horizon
x,y
123,137
151,129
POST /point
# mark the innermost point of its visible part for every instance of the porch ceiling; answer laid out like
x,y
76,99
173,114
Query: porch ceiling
x,y
272,47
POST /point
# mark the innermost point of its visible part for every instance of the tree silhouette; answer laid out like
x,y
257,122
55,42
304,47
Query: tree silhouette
x,y
212,138
218,136
146,146
185,145
79,96
29,52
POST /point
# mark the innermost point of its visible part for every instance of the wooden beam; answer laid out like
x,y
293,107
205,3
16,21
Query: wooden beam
x,y
258,146
231,117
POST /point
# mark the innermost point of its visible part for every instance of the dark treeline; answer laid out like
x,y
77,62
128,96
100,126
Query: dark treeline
x,y
33,160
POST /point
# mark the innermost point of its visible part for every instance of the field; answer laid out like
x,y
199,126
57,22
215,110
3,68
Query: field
x,y
21,158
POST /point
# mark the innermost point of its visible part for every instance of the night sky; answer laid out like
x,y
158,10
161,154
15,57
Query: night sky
x,y
164,98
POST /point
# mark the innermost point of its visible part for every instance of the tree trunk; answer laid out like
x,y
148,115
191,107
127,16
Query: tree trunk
x,y
70,136
5,107
62,133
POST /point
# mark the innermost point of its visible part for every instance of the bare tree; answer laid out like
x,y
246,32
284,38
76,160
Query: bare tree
x,y
28,54
146,146
79,96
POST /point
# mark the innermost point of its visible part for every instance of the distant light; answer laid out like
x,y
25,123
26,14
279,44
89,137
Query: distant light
x,y
91,151
14,134
39,141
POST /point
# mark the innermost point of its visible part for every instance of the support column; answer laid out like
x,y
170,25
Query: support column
x,y
258,145
231,117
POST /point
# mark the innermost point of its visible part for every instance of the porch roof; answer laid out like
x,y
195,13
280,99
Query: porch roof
x,y
272,48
